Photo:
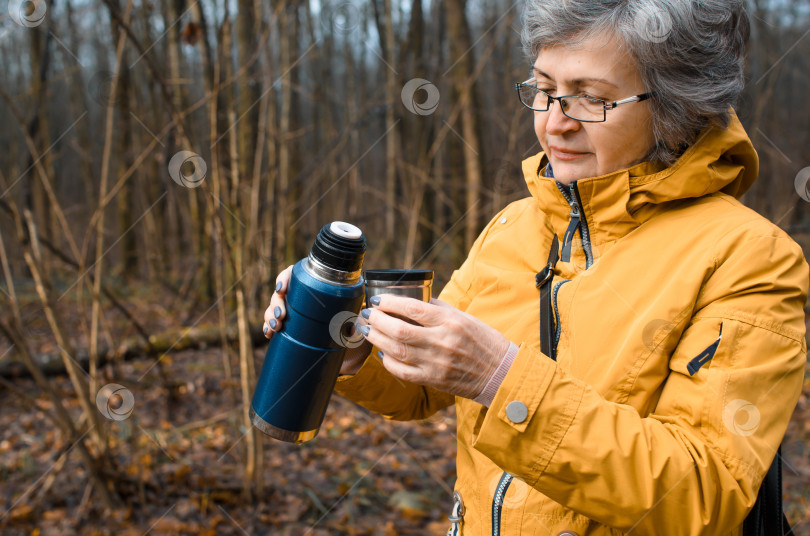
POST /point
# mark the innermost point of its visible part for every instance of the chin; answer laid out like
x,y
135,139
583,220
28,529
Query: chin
x,y
566,172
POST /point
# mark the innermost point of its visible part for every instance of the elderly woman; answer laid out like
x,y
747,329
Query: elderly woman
x,y
646,386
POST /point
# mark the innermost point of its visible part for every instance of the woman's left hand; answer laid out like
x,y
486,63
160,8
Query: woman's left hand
x,y
451,351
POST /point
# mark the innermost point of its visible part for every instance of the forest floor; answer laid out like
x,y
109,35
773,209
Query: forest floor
x,y
181,450
180,458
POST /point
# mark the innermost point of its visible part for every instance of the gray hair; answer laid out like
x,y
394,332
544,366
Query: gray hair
x,y
690,52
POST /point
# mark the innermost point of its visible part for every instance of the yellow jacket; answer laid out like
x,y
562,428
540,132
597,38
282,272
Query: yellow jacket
x,y
619,436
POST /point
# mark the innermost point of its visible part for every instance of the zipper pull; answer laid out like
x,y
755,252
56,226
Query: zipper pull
x,y
457,515
565,256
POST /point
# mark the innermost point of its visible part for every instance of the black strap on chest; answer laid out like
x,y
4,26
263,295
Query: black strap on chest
x,y
543,283
767,517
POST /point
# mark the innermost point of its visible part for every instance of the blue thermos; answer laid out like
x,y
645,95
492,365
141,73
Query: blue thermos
x,y
303,360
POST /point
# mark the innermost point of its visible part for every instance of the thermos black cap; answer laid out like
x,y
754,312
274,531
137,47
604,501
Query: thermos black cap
x,y
340,246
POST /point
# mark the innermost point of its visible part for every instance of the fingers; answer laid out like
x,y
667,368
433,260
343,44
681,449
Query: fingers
x,y
394,337
402,370
277,310
389,327
426,314
283,280
402,360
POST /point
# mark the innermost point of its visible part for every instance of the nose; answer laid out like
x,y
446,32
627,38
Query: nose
x,y
558,122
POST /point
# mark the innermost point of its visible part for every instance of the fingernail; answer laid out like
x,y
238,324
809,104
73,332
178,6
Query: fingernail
x,y
365,313
277,311
374,300
266,327
380,354
364,330
273,323
278,286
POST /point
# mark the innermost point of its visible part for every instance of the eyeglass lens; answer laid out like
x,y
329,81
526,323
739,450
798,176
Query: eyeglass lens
x,y
576,107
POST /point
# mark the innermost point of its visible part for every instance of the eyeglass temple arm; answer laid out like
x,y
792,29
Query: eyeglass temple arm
x,y
636,98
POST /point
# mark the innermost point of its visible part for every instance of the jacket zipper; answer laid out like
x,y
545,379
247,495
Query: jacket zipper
x,y
578,221
557,312
497,502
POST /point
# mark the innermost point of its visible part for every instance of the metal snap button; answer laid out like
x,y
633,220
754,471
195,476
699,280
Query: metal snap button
x,y
516,411
503,220
568,533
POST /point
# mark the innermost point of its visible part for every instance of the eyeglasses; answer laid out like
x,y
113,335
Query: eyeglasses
x,y
579,107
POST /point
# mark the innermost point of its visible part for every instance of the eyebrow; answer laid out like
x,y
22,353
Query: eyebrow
x,y
578,81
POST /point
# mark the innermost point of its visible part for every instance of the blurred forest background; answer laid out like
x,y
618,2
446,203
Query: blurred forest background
x,y
163,161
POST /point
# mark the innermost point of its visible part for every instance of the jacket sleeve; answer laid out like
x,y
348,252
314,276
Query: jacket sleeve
x,y
374,388
695,463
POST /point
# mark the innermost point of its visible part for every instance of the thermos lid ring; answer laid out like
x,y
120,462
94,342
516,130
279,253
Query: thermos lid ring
x,y
395,275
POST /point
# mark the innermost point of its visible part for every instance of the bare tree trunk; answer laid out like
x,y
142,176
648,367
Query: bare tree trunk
x,y
246,366
267,245
461,55
386,31
78,103
353,192
38,130
288,158
248,86
105,169
284,219
129,254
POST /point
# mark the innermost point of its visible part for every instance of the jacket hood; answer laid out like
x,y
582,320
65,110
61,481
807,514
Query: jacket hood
x,y
721,160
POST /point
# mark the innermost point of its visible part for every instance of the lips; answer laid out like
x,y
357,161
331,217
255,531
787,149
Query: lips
x,y
562,152
566,154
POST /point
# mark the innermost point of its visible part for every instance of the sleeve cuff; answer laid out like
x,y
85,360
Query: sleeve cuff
x,y
486,396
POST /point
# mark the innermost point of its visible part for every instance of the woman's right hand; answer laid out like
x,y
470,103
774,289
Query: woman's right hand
x,y
277,311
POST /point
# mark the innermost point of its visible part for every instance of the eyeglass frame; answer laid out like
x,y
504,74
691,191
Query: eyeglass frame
x,y
605,104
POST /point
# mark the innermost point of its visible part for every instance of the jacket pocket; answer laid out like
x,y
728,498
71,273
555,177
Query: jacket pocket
x,y
694,364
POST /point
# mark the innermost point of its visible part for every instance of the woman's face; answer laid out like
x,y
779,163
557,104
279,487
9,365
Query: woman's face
x,y
600,68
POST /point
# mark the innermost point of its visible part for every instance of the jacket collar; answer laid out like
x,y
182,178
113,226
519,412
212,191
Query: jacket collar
x,y
721,160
